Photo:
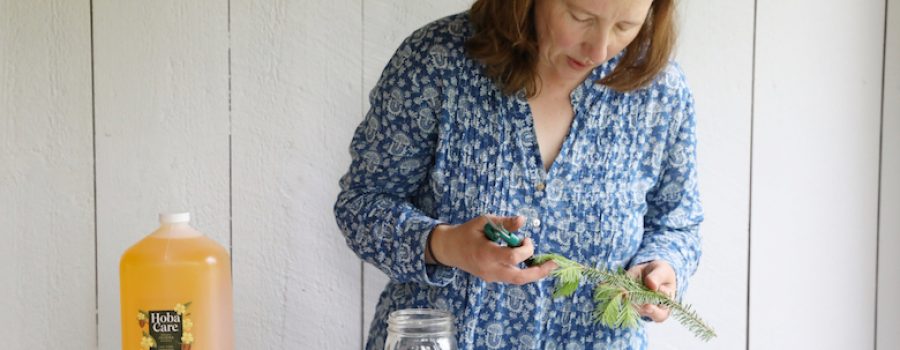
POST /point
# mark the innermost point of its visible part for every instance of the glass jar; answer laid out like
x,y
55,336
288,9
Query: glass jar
x,y
420,329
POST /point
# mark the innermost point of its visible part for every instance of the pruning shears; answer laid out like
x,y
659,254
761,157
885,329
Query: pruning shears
x,y
497,233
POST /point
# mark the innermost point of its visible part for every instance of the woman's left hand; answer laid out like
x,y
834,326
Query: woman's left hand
x,y
657,275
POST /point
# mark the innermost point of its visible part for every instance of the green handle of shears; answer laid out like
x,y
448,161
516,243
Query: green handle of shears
x,y
494,234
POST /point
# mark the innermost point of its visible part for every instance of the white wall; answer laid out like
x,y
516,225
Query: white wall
x,y
162,125
888,311
814,201
719,68
295,90
47,197
241,111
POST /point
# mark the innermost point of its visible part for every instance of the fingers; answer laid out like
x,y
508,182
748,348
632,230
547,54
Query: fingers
x,y
660,277
496,263
653,280
514,275
507,256
505,266
513,223
654,312
517,276
668,290
637,271
510,255
510,223
520,253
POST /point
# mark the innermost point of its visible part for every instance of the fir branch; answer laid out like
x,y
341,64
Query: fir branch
x,y
618,295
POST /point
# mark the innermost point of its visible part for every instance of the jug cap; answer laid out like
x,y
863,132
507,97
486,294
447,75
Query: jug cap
x,y
174,218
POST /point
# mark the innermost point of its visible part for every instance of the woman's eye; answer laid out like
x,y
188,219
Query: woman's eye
x,y
580,19
625,27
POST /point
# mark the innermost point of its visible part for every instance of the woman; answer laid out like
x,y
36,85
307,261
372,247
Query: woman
x,y
562,119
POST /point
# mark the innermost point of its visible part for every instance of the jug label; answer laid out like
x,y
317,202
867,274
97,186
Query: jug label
x,y
166,329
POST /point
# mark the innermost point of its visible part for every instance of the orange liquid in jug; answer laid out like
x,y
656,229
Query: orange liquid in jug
x,y
176,292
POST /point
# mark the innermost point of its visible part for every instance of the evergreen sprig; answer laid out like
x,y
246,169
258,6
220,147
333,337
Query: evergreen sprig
x,y
618,295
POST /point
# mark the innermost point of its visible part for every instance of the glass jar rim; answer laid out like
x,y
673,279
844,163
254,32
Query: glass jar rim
x,y
420,322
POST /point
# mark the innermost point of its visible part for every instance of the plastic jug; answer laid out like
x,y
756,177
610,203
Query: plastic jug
x,y
176,291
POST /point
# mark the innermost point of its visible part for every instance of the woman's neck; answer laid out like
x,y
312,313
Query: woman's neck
x,y
550,83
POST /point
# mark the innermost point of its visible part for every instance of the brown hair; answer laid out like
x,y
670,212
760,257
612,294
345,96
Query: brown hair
x,y
505,41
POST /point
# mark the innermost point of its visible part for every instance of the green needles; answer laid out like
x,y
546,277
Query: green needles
x,y
618,295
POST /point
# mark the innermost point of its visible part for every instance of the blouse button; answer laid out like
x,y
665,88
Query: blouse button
x,y
540,186
536,222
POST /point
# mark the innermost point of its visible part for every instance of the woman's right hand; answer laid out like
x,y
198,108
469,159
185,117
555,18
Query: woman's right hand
x,y
464,246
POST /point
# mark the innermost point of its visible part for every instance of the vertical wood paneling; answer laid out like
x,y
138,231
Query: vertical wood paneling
x,y
815,171
296,70
385,24
46,176
162,128
888,321
716,52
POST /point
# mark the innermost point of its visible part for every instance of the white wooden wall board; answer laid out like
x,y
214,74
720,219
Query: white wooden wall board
x,y
296,75
888,319
815,170
161,82
716,52
46,176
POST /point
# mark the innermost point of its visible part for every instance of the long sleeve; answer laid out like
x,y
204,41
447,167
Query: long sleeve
x,y
393,151
674,213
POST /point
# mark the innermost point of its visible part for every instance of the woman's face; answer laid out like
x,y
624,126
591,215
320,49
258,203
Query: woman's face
x,y
574,36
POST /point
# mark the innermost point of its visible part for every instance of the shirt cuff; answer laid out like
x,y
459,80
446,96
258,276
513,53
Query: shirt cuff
x,y
430,274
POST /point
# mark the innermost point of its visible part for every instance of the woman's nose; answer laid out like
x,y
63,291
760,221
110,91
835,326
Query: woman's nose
x,y
595,49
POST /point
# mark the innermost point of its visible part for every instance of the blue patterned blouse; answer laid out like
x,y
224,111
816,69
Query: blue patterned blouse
x,y
441,144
